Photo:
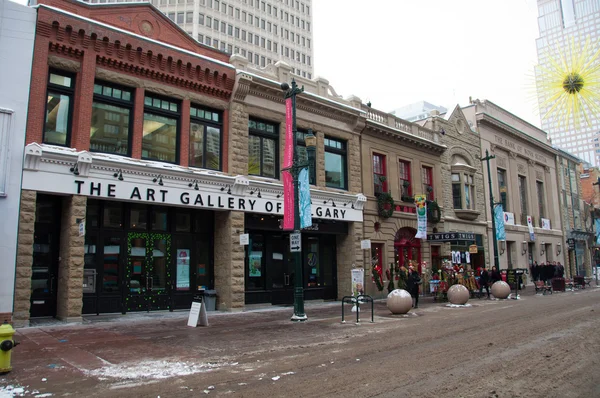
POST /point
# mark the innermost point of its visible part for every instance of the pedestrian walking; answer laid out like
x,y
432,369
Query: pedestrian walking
x,y
412,284
483,282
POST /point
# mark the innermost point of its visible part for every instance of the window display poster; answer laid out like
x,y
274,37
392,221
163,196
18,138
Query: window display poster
x,y
137,267
255,264
358,276
201,269
183,269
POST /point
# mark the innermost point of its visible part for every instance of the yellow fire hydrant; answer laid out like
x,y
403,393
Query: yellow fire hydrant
x,y
6,345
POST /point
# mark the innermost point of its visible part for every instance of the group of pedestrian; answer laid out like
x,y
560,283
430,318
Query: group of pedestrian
x,y
486,279
546,271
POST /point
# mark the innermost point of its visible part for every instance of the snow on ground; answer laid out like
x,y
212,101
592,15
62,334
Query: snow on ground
x,y
10,391
154,369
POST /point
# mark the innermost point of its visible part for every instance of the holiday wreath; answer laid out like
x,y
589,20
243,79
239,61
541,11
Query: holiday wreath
x,y
433,211
385,205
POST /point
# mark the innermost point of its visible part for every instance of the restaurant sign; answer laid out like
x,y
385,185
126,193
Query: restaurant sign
x,y
450,236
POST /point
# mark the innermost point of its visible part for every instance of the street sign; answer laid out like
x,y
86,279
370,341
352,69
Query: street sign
x,y
244,239
295,242
365,244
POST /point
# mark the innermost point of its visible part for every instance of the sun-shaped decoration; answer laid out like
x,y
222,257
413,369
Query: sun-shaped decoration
x,y
569,86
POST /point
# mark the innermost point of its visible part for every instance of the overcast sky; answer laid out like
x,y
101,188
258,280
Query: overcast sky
x,y
396,52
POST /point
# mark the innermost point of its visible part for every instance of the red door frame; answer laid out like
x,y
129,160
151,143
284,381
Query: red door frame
x,y
405,239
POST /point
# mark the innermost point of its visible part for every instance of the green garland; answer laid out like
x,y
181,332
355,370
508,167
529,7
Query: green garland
x,y
149,240
377,279
433,208
385,198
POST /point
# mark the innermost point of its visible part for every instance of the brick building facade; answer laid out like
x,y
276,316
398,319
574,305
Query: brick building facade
x,y
146,160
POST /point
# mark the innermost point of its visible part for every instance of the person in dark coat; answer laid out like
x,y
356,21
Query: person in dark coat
x,y
412,284
495,277
535,268
484,279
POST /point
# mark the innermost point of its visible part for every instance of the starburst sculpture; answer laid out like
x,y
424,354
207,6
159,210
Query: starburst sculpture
x,y
569,86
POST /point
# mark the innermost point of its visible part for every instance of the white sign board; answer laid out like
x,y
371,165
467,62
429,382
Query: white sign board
x,y
509,218
365,244
244,239
197,313
295,242
82,228
194,314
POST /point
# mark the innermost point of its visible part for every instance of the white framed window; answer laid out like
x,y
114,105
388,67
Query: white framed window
x,y
5,127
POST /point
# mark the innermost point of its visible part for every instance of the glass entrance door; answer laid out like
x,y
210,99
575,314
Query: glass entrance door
x,y
148,271
280,263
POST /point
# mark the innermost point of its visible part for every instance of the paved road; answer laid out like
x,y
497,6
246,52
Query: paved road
x,y
539,346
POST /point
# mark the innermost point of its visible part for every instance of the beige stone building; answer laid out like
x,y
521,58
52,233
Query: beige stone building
x,y
463,195
401,159
579,232
524,180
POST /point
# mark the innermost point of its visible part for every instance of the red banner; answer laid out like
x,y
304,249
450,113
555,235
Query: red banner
x,y
288,158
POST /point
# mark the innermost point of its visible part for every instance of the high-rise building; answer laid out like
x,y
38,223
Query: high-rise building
x,y
264,31
564,27
417,111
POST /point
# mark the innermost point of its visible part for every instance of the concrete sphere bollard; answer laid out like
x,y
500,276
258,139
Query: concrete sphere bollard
x,y
501,290
458,294
399,301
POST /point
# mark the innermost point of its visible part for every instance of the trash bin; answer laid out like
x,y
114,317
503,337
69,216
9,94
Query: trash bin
x,y
210,300
558,284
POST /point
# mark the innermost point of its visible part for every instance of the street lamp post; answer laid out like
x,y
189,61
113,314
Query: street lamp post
x,y
487,158
294,170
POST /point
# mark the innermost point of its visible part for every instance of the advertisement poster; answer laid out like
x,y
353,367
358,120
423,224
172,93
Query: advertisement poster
x,y
545,223
530,225
358,276
597,221
183,269
509,218
421,204
288,184
499,218
255,264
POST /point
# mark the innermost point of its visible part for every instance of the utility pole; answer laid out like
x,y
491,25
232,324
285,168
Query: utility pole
x,y
487,158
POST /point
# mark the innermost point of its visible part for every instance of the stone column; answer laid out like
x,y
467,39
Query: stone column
x,y
229,260
349,253
70,268
238,140
24,259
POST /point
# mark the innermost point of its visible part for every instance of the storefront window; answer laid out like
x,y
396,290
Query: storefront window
x,y
57,129
255,262
113,216
183,222
312,262
159,219
335,163
111,260
137,217
110,127
205,138
160,129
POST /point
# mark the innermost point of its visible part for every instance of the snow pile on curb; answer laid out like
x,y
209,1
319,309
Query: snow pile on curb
x,y
154,369
458,305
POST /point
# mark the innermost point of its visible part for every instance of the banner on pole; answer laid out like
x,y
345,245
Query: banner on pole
x,y
530,225
288,158
421,204
499,218
304,199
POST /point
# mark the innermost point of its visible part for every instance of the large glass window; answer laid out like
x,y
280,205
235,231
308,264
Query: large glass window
x,y
456,191
502,188
111,111
405,180
161,119
205,138
379,174
541,201
523,199
303,154
335,163
59,104
263,148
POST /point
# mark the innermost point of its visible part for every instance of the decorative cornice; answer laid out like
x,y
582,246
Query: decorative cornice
x,y
404,137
